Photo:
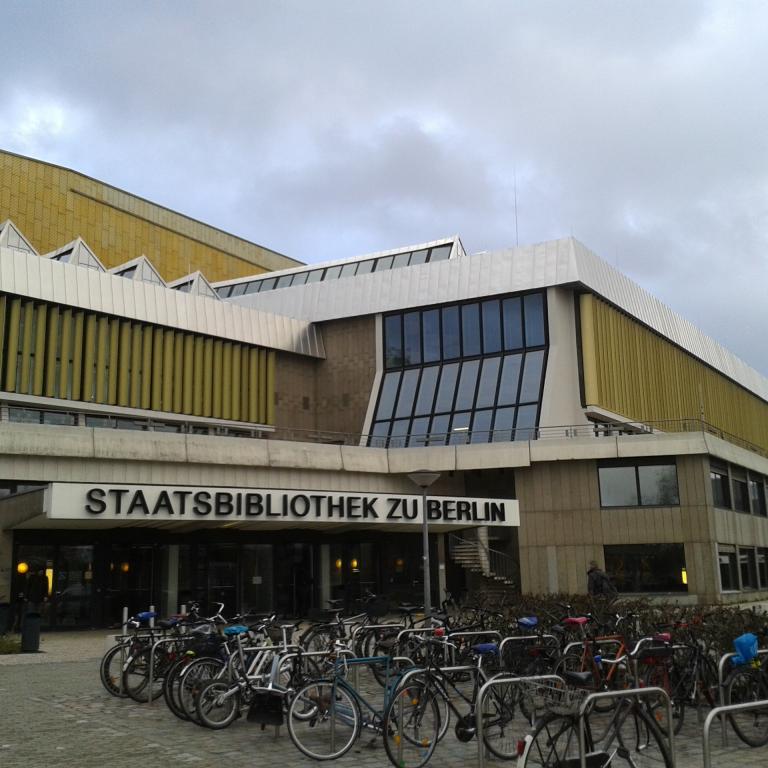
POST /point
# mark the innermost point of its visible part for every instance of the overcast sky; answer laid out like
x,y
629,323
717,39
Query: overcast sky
x,y
329,129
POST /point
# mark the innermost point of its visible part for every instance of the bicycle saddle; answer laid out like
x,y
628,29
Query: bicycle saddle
x,y
580,679
484,649
528,622
237,629
578,621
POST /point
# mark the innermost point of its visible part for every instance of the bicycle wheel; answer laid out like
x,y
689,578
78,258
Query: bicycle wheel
x,y
672,680
637,738
111,669
171,684
746,684
553,743
318,639
218,704
193,678
323,720
411,726
504,722
136,675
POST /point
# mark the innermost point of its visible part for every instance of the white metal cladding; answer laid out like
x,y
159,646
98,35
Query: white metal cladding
x,y
553,263
28,275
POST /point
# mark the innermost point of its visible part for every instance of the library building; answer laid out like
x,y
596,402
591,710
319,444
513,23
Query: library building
x,y
187,415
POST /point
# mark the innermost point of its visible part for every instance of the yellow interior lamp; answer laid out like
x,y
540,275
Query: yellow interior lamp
x,y
355,565
338,564
22,568
684,576
125,567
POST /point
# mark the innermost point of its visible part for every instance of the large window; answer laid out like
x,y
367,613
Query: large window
x,y
652,484
721,492
729,575
464,373
736,488
742,568
647,567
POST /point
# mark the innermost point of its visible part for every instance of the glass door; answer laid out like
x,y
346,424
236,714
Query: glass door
x,y
294,577
72,599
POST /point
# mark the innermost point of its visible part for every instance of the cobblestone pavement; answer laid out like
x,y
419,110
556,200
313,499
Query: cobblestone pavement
x,y
58,715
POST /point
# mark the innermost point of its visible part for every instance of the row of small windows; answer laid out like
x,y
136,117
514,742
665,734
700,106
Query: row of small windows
x,y
638,484
742,568
738,489
465,330
380,264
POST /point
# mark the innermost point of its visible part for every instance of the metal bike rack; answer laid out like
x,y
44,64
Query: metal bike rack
x,y
152,662
721,713
481,700
721,685
580,644
634,693
451,638
368,627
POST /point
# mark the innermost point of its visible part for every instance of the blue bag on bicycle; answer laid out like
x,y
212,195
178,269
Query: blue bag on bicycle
x,y
746,649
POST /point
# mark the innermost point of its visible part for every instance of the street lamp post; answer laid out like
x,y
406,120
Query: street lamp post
x,y
424,479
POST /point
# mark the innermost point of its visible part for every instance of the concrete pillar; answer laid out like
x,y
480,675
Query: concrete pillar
x,y
325,574
441,591
6,563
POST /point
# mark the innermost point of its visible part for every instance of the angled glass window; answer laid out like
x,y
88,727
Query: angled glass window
x,y
440,253
531,385
412,334
419,432
534,320
438,432
491,327
393,341
315,276
365,267
430,331
385,262
401,260
284,281
331,273
398,435
253,287
427,390
451,333
407,393
481,426
379,434
510,379
268,284
239,289
486,393
503,423
300,278
465,396
525,426
447,389
470,330
419,257
225,291
388,394
348,270
460,428
513,323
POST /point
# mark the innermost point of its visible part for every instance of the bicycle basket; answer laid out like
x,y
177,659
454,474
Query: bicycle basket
x,y
746,649
551,696
266,709
653,652
275,634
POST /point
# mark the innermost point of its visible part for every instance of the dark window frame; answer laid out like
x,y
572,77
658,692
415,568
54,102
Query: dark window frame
x,y
636,464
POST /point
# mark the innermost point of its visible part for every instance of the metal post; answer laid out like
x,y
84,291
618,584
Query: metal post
x,y
424,479
152,620
722,712
122,648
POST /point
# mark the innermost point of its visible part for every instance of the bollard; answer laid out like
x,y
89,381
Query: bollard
x,y
30,633
152,620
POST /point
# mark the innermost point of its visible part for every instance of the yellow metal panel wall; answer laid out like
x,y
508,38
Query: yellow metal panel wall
x,y
124,376
26,345
41,314
53,206
270,393
262,386
14,322
633,372
114,360
245,382
253,388
77,354
65,371
3,309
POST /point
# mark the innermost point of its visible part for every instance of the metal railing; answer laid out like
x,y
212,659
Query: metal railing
x,y
490,562
721,665
721,713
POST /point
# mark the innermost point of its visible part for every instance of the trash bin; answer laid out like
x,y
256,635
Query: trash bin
x,y
5,617
30,633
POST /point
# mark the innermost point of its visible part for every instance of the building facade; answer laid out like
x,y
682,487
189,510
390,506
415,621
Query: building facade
x,y
166,438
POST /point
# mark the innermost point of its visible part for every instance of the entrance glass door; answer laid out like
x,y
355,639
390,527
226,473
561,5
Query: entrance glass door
x,y
294,576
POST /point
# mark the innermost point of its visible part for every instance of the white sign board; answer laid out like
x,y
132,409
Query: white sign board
x,y
116,503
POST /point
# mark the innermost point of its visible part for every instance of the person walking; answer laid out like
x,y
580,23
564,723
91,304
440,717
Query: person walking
x,y
598,582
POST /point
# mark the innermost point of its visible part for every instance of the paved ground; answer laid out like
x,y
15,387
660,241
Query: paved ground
x,y
55,713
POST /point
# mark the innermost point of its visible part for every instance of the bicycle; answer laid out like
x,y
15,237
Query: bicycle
x,y
630,736
746,683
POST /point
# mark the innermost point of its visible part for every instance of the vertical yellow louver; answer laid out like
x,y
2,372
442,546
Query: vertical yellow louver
x,y
102,359
135,398
65,369
146,367
218,364
14,321
253,389
226,382
197,388
270,387
208,378
168,341
3,304
178,370
77,355
52,340
158,345
189,372
126,360
27,339
41,315
114,360
235,382
89,357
